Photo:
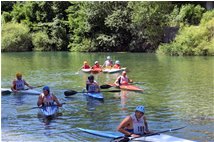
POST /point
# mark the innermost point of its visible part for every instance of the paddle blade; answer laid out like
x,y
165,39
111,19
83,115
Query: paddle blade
x,y
112,91
70,93
105,86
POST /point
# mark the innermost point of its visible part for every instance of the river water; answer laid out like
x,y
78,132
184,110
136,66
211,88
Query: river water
x,y
178,92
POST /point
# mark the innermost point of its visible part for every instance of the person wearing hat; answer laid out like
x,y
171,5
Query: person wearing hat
x,y
117,65
96,65
92,85
135,124
19,83
108,63
122,79
85,65
47,98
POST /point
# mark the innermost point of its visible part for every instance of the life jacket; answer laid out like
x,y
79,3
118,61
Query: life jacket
x,y
48,100
108,63
123,80
86,67
19,84
138,125
116,66
92,87
96,67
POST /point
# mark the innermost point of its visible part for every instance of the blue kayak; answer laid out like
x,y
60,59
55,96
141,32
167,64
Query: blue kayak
x,y
98,95
48,111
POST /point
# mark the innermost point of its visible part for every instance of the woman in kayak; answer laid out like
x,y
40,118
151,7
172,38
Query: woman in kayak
x,y
85,65
135,124
19,83
122,79
108,63
117,65
92,85
47,98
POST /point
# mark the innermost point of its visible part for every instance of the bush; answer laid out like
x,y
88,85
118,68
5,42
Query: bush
x,y
41,41
15,37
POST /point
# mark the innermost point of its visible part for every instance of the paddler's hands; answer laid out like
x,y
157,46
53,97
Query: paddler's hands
x,y
135,135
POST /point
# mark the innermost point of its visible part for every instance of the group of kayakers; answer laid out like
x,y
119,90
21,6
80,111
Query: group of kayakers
x,y
107,64
133,125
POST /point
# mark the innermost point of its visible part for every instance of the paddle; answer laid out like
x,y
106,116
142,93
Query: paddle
x,y
78,70
72,92
156,133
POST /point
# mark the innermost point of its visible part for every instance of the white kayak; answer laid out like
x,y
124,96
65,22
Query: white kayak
x,y
86,70
152,138
25,91
98,95
112,70
48,111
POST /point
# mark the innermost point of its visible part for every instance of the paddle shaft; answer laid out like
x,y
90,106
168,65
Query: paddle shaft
x,y
72,92
157,133
42,106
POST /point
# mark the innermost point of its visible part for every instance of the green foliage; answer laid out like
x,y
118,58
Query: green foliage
x,y
189,14
15,37
192,40
41,41
207,16
6,17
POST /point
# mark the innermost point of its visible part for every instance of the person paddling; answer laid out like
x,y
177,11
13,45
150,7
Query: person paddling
x,y
96,65
108,63
92,85
47,98
122,79
117,65
19,83
134,125
85,65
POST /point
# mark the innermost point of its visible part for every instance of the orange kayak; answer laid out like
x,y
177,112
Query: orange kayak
x,y
129,87
96,70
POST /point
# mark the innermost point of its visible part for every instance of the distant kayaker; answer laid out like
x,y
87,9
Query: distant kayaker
x,y
96,65
47,98
117,65
108,63
85,65
92,85
122,79
135,124
19,83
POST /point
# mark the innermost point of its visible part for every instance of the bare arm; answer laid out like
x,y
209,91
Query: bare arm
x,y
28,85
146,125
57,101
40,100
125,123
13,87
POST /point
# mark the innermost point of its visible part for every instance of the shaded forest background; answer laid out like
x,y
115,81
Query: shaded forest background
x,y
173,28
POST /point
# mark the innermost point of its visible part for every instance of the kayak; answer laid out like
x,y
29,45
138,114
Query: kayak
x,y
113,70
25,91
153,138
97,70
129,87
48,111
86,70
98,95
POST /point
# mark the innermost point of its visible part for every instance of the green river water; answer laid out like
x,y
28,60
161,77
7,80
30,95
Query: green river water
x,y
179,91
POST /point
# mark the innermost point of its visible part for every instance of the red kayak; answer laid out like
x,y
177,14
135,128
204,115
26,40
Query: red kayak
x,y
129,87
96,70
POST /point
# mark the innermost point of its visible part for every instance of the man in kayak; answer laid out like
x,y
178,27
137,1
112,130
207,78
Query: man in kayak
x,y
117,65
47,98
122,79
92,85
134,125
96,65
85,65
108,63
19,83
